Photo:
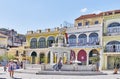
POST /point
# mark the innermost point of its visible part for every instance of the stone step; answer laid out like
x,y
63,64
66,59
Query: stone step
x,y
82,73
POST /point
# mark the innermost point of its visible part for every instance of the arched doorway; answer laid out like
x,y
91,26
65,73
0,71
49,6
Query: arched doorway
x,y
82,56
93,56
42,58
33,55
48,57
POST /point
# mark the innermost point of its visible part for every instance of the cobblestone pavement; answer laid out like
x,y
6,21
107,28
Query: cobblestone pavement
x,y
5,75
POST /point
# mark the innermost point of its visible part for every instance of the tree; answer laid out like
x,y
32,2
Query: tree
x,y
11,57
95,59
0,58
116,64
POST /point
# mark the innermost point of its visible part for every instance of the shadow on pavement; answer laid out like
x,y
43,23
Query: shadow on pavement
x,y
12,78
17,78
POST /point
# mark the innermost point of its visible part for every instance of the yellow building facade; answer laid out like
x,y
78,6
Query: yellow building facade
x,y
111,38
39,45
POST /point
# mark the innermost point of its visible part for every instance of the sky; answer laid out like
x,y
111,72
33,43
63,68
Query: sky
x,y
27,15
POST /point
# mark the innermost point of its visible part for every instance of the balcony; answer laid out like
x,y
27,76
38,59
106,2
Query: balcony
x,y
111,34
87,45
111,51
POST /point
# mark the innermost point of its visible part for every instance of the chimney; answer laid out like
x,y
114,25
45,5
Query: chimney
x,y
39,31
29,32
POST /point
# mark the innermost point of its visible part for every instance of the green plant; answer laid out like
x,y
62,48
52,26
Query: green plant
x,y
11,57
1,58
95,59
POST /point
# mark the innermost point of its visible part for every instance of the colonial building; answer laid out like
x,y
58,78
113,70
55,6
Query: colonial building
x,y
14,39
46,46
3,44
12,43
85,38
111,38
94,38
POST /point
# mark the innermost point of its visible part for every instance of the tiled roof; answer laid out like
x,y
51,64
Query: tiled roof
x,y
110,12
97,15
88,16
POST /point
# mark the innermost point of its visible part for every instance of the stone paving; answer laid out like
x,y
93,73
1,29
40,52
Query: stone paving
x,y
5,75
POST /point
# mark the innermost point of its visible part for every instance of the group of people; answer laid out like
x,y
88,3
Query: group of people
x,y
12,65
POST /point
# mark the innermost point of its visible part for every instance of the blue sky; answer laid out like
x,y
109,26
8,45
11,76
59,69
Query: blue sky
x,y
25,15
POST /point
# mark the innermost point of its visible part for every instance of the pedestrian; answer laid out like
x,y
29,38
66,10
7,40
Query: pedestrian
x,y
116,67
5,68
97,66
60,64
21,64
55,67
11,68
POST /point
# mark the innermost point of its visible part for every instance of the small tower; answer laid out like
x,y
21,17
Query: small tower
x,y
60,38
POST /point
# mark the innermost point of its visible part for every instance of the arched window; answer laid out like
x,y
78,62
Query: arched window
x,y
93,39
113,46
50,40
42,43
113,27
72,40
33,43
82,39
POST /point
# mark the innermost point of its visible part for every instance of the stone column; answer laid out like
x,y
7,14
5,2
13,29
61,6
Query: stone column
x,y
51,57
101,59
68,57
77,39
46,58
64,58
37,60
87,63
105,62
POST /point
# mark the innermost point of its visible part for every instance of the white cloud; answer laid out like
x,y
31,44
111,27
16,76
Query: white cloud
x,y
97,11
83,10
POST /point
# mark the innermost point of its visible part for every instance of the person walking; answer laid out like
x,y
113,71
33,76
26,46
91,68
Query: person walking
x,y
5,68
116,67
11,68
60,64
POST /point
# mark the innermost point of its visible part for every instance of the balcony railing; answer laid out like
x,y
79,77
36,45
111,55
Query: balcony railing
x,y
85,44
111,34
112,50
